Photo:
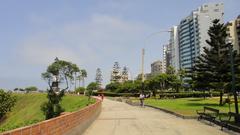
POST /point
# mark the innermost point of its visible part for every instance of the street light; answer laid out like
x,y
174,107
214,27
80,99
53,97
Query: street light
x,y
143,53
229,42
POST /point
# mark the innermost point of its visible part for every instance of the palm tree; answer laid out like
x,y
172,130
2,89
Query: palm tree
x,y
83,76
79,78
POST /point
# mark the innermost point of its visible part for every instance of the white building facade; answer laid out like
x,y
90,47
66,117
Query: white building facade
x,y
174,48
193,32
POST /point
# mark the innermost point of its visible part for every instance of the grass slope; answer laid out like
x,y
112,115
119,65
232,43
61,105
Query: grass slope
x,y
27,109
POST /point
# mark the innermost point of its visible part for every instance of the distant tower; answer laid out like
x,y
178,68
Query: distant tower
x,y
166,58
156,67
125,74
116,74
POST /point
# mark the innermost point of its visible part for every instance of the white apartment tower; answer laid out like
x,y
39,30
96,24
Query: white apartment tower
x,y
174,48
166,58
193,32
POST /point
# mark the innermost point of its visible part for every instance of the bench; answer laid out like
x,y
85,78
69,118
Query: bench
x,y
227,122
208,113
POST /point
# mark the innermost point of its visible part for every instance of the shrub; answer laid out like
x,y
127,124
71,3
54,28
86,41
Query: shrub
x,y
7,101
80,90
188,94
31,88
52,108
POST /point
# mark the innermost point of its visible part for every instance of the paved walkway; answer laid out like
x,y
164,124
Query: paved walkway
x,y
119,118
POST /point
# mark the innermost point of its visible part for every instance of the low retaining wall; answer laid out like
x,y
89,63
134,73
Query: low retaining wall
x,y
164,110
68,124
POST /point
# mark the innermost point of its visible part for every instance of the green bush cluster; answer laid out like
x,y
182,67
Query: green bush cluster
x,y
7,101
31,88
112,94
52,108
80,90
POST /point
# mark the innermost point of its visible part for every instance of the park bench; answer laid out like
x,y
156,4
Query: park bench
x,y
226,121
208,113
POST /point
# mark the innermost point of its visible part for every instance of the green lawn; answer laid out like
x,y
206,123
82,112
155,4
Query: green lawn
x,y
27,109
188,106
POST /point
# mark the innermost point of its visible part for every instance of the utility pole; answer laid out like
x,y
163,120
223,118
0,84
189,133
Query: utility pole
x,y
233,90
237,120
143,53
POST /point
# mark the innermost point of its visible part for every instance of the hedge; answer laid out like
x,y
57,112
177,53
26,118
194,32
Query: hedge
x,y
112,94
161,95
188,94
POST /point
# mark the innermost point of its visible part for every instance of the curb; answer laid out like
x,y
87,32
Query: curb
x,y
173,113
231,127
164,110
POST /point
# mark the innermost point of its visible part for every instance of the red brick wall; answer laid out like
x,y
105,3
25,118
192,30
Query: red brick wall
x,y
62,124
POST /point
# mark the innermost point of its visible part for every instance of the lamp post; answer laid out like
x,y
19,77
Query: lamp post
x,y
229,42
143,54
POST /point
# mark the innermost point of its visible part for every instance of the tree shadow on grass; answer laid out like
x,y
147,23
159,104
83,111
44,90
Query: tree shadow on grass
x,y
203,104
201,99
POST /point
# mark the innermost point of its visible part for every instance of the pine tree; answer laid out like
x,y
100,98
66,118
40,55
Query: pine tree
x,y
212,67
116,75
99,77
125,74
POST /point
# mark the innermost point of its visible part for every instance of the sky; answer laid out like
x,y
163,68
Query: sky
x,y
91,33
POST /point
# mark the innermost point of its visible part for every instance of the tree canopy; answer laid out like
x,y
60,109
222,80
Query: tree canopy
x,y
212,68
60,71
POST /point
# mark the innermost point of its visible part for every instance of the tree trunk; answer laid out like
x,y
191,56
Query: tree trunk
x,y
79,85
154,93
221,98
83,82
204,94
177,89
75,86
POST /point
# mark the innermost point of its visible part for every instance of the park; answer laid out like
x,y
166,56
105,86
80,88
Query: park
x,y
63,76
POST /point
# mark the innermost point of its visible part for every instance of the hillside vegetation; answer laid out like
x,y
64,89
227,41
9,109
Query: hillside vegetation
x,y
27,109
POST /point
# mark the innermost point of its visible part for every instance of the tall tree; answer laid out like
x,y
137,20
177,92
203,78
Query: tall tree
x,y
91,86
98,77
59,72
83,74
125,74
212,67
116,75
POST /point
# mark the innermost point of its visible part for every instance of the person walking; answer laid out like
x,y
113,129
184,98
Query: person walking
x,y
102,96
141,98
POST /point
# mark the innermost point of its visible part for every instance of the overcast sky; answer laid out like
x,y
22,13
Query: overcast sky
x,y
91,33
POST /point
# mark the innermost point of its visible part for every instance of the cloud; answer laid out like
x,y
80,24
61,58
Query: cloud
x,y
100,34
40,52
95,42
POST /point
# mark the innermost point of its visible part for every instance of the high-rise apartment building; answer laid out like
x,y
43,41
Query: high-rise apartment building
x,y
192,32
156,67
233,31
174,48
166,58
